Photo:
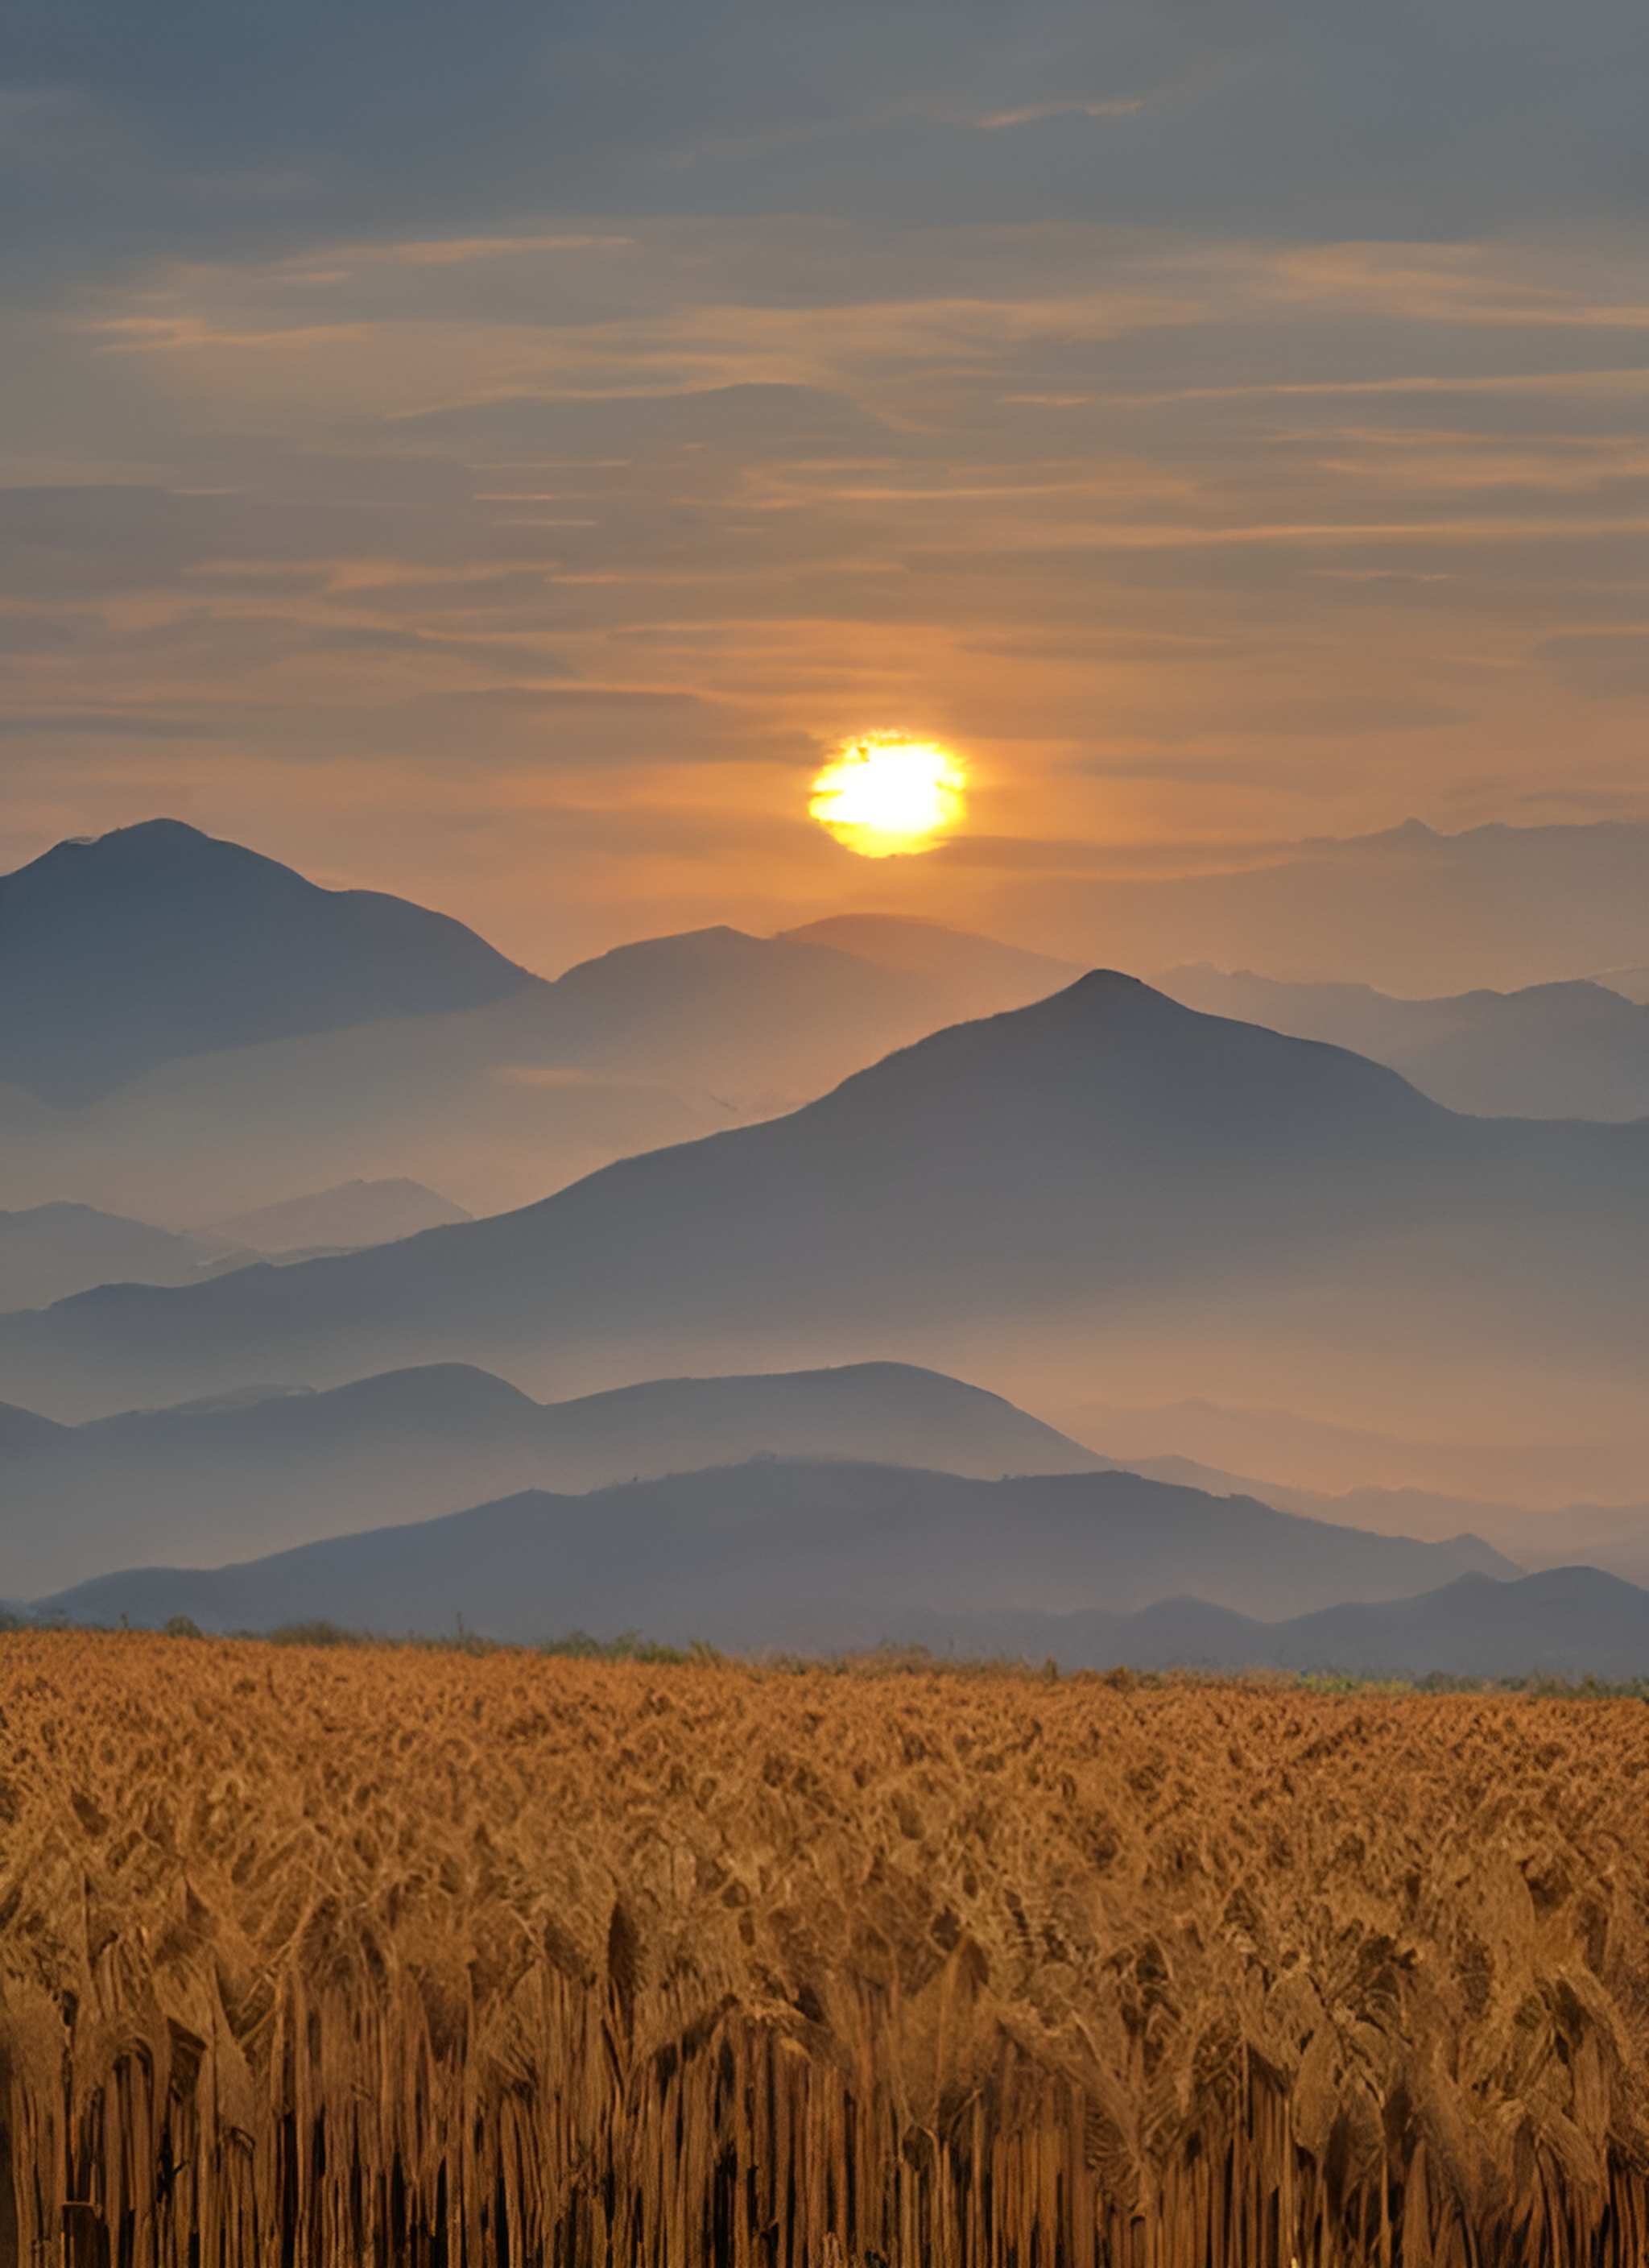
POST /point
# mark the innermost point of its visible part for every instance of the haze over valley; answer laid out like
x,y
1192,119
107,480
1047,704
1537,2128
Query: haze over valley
x,y
1282,1250
383,1073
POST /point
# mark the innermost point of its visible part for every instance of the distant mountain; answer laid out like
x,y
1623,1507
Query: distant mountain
x,y
1511,1464
781,1553
1568,1623
52,1251
1612,1536
780,1018
158,941
1102,1149
1409,909
976,974
1575,1050
482,1104
713,1001
49,1252
654,1042
254,1473
356,1213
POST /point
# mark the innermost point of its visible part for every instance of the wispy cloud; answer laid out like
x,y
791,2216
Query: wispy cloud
x,y
1035,113
629,516
340,262
99,722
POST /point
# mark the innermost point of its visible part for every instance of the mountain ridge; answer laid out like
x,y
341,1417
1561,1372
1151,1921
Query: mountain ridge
x,y
658,1040
157,941
792,1551
1408,909
1568,1624
1099,1143
1574,1049
254,1471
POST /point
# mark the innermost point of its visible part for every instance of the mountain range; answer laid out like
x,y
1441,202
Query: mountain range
x,y
266,1468
1077,1189
1612,1536
1566,1623
778,1552
1574,1051
1102,1151
155,942
269,1467
1410,910
199,1111
1539,1460
51,1251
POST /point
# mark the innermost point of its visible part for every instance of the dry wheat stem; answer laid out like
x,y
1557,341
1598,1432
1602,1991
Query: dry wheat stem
x,y
322,1957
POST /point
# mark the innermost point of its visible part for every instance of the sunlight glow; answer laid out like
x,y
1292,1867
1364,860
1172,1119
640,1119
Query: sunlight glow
x,y
882,795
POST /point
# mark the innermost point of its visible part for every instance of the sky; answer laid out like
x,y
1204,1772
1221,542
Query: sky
x,y
494,455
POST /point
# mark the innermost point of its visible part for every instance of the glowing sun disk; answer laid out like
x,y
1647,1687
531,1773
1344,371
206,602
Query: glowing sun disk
x,y
881,796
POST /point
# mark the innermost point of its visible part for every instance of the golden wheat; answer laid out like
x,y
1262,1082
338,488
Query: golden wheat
x,y
321,1957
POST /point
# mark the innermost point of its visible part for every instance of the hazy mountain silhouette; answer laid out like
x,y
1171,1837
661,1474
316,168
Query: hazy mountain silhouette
x,y
353,1214
481,1104
1567,1621
1324,1458
1099,1146
715,1005
1574,1051
1612,1536
254,1473
1409,909
654,1042
978,971
794,1554
51,1251
158,941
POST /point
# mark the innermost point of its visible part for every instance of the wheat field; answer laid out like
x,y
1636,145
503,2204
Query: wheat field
x,y
325,1956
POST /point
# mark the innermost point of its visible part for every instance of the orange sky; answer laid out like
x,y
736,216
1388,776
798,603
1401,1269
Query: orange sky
x,y
530,569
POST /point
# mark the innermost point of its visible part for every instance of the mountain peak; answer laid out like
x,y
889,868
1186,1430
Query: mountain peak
x,y
143,833
924,948
145,843
157,940
1101,1151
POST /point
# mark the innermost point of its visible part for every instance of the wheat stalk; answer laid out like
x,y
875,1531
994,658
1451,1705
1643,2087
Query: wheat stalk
x,y
316,1956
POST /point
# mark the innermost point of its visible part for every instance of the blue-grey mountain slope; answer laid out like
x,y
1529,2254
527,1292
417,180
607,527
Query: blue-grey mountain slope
x,y
188,1109
1568,1623
992,974
716,1006
1613,1536
158,941
258,1472
1410,909
1099,1150
1573,1050
791,1553
49,1252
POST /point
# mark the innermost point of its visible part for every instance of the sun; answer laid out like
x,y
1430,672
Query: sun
x,y
884,796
